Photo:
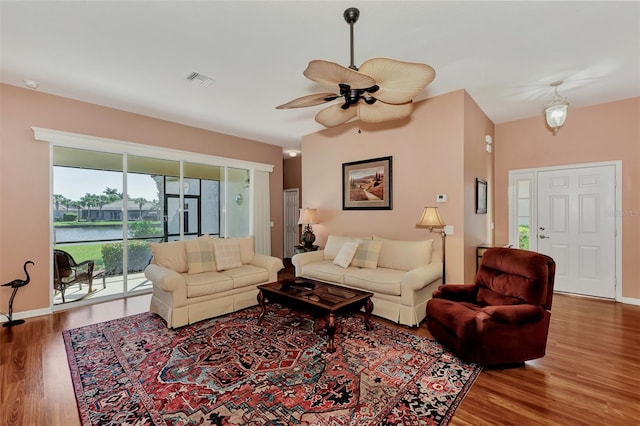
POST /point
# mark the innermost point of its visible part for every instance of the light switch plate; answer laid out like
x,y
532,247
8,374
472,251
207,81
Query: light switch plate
x,y
448,229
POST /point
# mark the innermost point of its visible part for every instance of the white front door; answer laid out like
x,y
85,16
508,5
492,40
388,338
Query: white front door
x,y
291,214
576,226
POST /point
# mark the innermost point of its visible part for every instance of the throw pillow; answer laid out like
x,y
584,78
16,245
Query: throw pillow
x,y
227,253
345,254
247,251
200,255
171,255
367,254
404,255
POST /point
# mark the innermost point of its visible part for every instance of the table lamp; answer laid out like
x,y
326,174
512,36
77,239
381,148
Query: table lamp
x,y
308,217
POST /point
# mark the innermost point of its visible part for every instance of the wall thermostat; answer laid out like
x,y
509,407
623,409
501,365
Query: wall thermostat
x,y
441,198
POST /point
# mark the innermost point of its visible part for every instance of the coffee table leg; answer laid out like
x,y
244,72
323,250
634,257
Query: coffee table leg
x,y
263,307
368,308
331,331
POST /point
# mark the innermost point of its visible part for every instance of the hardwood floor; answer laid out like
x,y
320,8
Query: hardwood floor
x,y
590,375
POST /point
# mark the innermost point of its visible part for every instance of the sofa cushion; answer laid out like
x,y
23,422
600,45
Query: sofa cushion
x,y
381,280
334,244
325,270
206,283
344,256
247,275
200,255
247,248
171,255
404,255
227,253
367,254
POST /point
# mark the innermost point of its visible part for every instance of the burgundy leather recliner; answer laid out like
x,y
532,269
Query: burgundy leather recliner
x,y
504,317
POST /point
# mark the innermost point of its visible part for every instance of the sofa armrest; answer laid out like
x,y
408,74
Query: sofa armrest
x,y
165,278
270,263
457,292
418,278
515,314
301,259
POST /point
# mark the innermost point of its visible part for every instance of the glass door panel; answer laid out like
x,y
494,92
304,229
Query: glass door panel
x,y
172,218
204,182
145,213
87,220
238,202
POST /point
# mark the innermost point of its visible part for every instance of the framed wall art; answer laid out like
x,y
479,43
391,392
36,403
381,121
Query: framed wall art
x,y
481,196
366,184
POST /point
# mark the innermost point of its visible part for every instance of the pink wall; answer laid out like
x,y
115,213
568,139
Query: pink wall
x,y
604,132
428,152
24,173
478,163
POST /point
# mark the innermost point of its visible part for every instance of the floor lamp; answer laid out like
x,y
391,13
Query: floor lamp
x,y
431,220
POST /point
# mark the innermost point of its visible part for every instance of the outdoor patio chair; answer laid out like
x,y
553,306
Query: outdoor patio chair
x,y
67,272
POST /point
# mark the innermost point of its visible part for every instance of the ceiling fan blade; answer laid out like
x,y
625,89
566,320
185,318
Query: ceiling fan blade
x,y
380,111
334,115
399,81
309,100
333,74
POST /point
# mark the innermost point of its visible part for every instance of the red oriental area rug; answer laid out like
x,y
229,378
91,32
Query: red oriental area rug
x,y
235,370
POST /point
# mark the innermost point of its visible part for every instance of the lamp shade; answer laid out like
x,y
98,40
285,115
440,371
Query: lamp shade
x,y
308,217
430,219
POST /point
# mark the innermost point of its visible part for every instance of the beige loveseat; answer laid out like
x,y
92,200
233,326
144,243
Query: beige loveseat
x,y
402,275
206,277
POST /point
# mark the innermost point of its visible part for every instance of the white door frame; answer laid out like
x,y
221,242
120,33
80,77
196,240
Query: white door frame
x,y
533,173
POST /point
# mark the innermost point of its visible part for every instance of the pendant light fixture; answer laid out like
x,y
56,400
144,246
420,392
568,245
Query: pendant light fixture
x,y
556,109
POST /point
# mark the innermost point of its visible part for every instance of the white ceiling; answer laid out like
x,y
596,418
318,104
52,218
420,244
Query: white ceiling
x,y
135,55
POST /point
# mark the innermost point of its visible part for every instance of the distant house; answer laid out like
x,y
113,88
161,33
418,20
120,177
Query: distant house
x,y
113,211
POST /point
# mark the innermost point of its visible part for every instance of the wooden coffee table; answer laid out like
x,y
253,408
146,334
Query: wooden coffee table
x,y
311,294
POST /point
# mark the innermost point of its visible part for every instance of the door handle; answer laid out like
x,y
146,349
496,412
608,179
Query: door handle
x,y
542,237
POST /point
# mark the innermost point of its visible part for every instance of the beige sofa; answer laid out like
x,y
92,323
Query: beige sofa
x,y
206,277
402,275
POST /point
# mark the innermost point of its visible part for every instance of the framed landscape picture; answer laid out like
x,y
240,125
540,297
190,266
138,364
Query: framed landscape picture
x,y
366,185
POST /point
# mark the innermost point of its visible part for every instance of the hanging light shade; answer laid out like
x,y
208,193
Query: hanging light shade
x,y
556,109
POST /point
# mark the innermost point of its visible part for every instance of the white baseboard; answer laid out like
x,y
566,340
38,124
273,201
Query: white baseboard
x,y
630,301
27,314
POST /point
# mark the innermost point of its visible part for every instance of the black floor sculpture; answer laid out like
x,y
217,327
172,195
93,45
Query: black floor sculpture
x,y
15,285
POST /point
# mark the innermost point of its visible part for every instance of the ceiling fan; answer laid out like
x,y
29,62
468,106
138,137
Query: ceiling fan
x,y
382,89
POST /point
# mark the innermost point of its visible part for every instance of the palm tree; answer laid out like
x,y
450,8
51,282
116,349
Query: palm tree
x,y
76,205
101,200
89,200
58,200
112,194
141,202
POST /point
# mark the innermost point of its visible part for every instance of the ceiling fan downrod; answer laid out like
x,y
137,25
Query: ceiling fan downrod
x,y
351,15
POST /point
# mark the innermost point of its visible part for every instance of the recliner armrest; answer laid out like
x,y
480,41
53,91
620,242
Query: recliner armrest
x,y
457,292
515,314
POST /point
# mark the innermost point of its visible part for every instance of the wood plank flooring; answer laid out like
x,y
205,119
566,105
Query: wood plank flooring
x,y
590,375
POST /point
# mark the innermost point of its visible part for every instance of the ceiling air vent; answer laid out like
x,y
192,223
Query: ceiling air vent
x,y
200,80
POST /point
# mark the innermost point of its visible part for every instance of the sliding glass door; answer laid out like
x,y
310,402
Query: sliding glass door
x,y
107,209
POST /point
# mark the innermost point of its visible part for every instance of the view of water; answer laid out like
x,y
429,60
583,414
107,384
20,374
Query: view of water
x,y
88,233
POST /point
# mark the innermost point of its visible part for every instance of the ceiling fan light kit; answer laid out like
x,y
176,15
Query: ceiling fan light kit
x,y
382,89
556,109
